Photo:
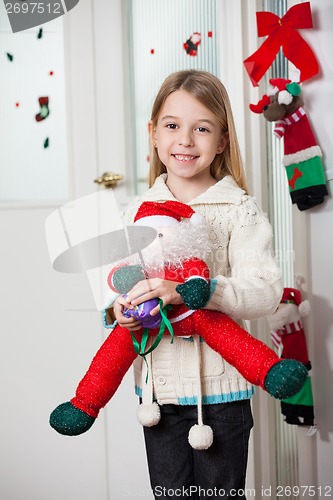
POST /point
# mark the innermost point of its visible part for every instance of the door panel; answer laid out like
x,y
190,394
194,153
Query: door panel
x,y
49,332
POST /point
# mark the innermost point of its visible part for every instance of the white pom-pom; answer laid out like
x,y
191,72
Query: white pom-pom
x,y
196,219
200,437
284,97
304,308
148,415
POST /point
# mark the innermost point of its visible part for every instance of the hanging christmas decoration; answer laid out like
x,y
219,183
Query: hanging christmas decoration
x,y
283,104
287,329
40,33
191,45
10,57
46,143
282,32
44,109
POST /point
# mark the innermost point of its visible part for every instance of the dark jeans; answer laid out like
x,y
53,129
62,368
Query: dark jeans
x,y
178,471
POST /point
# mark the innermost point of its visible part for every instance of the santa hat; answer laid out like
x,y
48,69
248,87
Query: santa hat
x,y
291,296
286,88
277,85
167,213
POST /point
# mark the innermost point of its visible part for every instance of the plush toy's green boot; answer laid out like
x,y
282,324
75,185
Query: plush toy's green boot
x,y
285,379
70,421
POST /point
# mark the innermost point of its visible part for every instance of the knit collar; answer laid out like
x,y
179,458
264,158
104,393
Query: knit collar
x,y
224,191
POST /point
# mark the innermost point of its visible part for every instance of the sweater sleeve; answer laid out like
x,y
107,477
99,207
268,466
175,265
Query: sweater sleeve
x,y
252,287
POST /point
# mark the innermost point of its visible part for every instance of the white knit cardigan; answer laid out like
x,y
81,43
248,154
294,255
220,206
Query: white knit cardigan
x,y
246,285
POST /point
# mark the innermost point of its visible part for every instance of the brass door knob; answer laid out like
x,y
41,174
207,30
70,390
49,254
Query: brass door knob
x,y
109,179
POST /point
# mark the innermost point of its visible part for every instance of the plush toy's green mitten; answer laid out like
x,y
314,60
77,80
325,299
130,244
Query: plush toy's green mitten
x,y
69,420
195,293
285,379
124,278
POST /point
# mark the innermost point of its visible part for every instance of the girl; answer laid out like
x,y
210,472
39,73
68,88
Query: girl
x,y
195,159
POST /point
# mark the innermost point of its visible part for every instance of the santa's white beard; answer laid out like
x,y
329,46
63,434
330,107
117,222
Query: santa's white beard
x,y
179,243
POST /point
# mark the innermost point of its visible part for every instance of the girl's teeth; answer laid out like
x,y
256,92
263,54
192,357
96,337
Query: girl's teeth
x,y
184,158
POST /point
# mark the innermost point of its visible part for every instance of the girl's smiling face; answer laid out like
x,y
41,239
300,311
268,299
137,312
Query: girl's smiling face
x,y
187,136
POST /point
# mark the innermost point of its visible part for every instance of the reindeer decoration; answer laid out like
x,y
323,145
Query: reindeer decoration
x,y
283,104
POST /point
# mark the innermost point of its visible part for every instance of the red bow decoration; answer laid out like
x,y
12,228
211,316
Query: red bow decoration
x,y
282,32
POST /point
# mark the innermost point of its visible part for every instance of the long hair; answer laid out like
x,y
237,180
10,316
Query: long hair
x,y
210,92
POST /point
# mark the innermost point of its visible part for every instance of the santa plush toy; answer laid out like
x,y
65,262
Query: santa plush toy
x,y
183,243
283,104
287,330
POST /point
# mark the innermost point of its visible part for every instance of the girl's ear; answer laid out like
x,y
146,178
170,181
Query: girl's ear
x,y
223,142
152,133
151,129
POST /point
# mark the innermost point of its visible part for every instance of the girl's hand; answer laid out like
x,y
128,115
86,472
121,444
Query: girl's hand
x,y
118,307
154,288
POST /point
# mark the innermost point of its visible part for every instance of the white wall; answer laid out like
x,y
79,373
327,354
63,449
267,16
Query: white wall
x,y
314,251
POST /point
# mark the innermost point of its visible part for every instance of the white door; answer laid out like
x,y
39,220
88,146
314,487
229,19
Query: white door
x,y
50,328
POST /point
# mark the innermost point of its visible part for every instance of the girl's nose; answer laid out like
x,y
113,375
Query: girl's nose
x,y
186,138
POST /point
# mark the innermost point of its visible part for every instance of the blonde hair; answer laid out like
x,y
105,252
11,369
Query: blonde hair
x,y
210,92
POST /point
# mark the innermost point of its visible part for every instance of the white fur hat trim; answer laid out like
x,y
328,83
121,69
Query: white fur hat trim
x,y
272,90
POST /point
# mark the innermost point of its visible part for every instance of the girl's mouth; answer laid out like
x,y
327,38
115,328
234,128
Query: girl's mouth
x,y
184,157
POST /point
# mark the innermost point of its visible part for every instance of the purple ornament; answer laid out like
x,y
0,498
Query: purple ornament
x,y
142,313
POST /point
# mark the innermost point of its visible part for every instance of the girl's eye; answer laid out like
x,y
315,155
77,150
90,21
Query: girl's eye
x,y
172,126
202,129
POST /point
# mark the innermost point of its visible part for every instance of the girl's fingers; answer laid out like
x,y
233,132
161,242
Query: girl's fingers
x,y
144,286
155,288
142,291
155,310
129,323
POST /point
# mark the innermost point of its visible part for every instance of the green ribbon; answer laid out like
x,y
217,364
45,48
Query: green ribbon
x,y
140,348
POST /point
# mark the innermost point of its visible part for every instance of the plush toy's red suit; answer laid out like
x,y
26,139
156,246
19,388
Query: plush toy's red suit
x,y
253,359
